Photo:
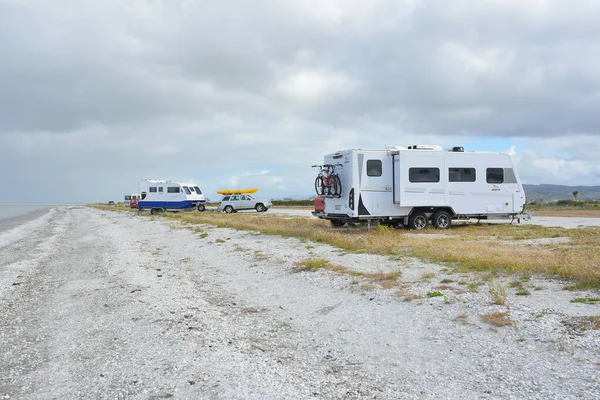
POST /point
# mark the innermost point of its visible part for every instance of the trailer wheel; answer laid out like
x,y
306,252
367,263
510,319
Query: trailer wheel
x,y
260,207
201,207
228,209
417,220
337,222
441,220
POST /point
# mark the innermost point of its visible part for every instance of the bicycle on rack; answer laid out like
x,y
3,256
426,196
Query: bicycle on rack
x,y
327,182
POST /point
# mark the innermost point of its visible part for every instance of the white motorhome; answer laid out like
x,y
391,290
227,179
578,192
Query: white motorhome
x,y
162,195
412,186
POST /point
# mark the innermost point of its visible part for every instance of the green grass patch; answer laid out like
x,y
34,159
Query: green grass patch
x,y
435,294
586,300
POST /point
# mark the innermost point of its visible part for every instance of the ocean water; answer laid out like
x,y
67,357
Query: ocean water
x,y
12,210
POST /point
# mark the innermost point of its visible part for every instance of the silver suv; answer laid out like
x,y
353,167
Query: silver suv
x,y
237,202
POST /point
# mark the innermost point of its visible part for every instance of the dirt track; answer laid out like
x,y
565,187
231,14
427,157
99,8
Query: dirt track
x,y
107,305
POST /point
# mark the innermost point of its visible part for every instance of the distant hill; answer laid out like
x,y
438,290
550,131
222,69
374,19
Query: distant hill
x,y
560,192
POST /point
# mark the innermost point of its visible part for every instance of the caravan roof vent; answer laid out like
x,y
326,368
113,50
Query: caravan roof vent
x,y
458,149
425,147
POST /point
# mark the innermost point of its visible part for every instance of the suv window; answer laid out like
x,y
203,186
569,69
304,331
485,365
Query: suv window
x,y
243,198
234,198
226,198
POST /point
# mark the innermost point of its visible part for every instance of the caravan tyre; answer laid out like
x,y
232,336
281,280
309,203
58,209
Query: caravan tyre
x,y
201,207
338,222
154,211
418,221
441,220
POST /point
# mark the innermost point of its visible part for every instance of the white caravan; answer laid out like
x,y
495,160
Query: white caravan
x,y
412,186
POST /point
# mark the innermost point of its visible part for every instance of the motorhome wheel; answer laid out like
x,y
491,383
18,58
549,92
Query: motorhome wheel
x,y
441,220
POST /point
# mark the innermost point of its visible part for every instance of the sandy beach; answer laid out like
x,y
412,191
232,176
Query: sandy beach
x,y
106,305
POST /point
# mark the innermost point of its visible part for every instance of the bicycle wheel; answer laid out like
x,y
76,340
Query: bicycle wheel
x,y
338,185
319,187
332,187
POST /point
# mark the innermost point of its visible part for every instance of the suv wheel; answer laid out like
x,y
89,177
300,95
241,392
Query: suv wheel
x,y
260,207
228,209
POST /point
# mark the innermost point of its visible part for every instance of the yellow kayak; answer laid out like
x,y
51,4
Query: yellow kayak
x,y
241,191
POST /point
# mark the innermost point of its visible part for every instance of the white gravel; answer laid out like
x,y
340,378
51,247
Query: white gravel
x,y
105,305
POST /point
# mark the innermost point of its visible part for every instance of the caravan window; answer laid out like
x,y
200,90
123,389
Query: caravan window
x,y
187,191
173,189
152,189
160,189
494,175
424,174
461,174
374,168
197,190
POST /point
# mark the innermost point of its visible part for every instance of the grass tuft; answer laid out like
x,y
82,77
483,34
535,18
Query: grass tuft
x,y
498,319
586,300
498,293
435,294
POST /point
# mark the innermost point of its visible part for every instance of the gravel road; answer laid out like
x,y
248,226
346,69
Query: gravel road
x,y
106,305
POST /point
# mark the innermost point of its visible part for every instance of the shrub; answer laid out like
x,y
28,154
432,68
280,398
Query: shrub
x,y
498,293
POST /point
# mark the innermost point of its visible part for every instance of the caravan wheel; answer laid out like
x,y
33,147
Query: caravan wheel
x,y
337,222
418,220
441,220
200,207
154,211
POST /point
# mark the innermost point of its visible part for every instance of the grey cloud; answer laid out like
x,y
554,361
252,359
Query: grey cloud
x,y
184,86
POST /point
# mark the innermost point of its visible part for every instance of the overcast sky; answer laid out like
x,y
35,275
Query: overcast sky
x,y
95,95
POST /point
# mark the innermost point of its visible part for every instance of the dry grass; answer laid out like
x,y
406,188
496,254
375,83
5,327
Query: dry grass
x,y
569,213
481,247
497,319
385,280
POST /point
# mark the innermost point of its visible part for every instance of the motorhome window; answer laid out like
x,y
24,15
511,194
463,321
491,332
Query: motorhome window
x,y
187,191
160,189
461,174
494,175
374,168
152,189
197,189
424,174
173,189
